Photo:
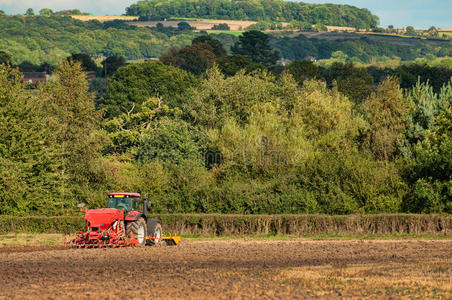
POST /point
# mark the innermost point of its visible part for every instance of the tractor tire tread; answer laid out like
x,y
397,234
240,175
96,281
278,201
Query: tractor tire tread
x,y
133,227
153,225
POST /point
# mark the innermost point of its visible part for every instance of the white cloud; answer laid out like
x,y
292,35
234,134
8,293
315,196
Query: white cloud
x,y
111,7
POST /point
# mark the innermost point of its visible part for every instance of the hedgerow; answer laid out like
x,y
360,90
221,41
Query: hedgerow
x,y
220,225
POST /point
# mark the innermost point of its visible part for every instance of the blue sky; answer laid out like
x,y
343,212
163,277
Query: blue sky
x,y
400,13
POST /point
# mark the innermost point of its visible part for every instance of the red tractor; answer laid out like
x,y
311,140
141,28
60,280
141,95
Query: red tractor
x,y
124,223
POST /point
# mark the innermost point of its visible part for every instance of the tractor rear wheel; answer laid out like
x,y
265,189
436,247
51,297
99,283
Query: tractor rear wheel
x,y
155,230
138,228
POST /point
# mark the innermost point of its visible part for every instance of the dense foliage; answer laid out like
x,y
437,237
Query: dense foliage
x,y
50,143
363,50
27,168
254,45
245,142
51,39
270,10
136,83
196,58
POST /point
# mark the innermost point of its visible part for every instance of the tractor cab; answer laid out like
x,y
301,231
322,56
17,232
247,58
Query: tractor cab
x,y
128,201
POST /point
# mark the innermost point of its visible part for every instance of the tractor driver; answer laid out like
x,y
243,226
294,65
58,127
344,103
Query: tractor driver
x,y
121,203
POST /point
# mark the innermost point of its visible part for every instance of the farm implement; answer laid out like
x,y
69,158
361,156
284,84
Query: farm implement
x,y
124,223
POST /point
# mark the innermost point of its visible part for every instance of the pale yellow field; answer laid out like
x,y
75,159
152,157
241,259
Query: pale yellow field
x,y
199,25
104,18
446,32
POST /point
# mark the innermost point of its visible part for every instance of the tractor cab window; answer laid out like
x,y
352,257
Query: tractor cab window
x,y
137,205
119,203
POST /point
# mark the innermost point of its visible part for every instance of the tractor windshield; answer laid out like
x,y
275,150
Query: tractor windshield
x,y
119,203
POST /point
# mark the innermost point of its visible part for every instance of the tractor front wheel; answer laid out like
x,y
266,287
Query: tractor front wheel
x,y
138,228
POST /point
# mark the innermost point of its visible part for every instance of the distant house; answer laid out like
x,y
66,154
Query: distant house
x,y
35,77
284,61
90,75
310,58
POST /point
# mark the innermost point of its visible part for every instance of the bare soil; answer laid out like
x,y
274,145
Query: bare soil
x,y
231,269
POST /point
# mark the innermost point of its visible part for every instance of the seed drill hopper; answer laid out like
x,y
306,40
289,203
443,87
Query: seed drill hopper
x,y
124,223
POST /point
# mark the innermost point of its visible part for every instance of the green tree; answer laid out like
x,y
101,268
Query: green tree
x,y
426,105
255,46
27,66
386,111
194,59
30,12
391,29
111,64
429,169
409,30
98,86
172,142
356,83
5,58
160,27
232,64
216,45
222,26
183,26
133,84
87,62
410,74
127,130
218,98
75,124
28,159
46,12
303,70
340,56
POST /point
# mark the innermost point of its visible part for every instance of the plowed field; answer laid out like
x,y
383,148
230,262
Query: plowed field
x,y
231,269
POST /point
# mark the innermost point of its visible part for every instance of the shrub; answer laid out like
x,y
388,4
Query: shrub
x,y
222,26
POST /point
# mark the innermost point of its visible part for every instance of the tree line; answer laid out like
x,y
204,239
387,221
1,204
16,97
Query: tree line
x,y
235,136
42,39
49,39
360,50
260,10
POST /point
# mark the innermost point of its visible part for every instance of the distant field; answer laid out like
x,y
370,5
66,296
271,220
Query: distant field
x,y
199,24
231,32
234,25
386,38
238,26
340,28
447,33
104,18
